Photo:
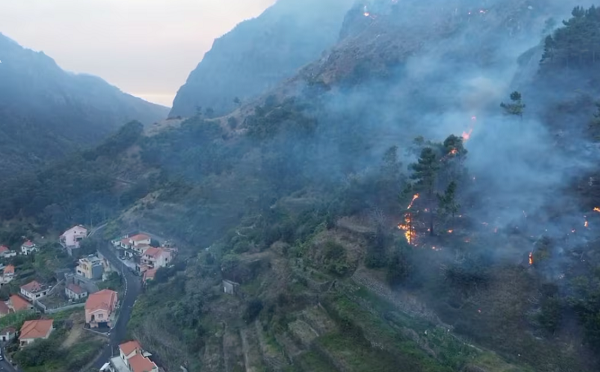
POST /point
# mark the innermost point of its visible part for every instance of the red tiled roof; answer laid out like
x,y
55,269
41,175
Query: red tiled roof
x,y
18,303
130,346
140,363
153,252
139,237
28,244
105,299
3,248
75,288
8,330
4,309
149,274
32,287
36,328
9,269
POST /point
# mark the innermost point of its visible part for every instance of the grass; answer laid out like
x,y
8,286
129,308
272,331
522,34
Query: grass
x,y
314,362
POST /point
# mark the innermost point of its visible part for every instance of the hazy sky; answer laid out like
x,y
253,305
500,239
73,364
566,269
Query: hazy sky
x,y
145,47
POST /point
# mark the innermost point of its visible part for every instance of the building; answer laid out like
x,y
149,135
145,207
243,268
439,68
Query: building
x,y
28,248
75,292
140,248
132,358
100,308
140,239
149,275
90,267
18,303
5,252
34,290
156,257
229,287
35,330
71,238
4,309
8,334
8,275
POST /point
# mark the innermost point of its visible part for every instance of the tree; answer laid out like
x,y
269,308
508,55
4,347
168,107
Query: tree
x,y
447,202
516,107
425,173
237,101
209,112
199,110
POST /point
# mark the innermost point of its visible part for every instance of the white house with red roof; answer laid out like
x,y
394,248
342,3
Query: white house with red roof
x,y
72,238
140,239
8,275
35,330
75,292
132,358
34,290
5,252
28,248
156,257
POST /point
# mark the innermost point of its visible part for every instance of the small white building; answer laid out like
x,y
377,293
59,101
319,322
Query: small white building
x,y
73,236
28,248
8,334
34,290
75,292
140,239
6,253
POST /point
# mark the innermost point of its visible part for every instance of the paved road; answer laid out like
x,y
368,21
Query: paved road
x,y
133,287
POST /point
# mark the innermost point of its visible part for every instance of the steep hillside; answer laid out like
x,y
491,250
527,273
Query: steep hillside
x,y
46,112
259,53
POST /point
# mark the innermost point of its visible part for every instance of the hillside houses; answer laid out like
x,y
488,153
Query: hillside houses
x,y
5,252
100,309
145,256
132,358
34,290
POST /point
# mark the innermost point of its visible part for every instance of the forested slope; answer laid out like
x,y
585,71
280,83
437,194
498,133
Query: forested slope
x,y
46,113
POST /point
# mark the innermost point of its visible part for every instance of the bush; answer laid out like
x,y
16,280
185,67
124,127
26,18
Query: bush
x,y
253,310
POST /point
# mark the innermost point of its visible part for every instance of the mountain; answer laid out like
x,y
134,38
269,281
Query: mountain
x,y
259,53
46,112
394,205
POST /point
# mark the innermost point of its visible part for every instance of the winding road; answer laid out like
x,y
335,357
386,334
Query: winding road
x,y
133,287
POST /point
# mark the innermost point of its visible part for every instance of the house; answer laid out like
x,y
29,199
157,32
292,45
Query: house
x,y
140,248
90,267
71,238
28,248
75,292
34,290
140,239
8,275
8,334
9,271
100,308
4,309
156,257
229,287
5,252
149,275
18,303
132,359
35,330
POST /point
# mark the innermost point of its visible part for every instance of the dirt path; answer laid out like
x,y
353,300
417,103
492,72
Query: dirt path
x,y
74,334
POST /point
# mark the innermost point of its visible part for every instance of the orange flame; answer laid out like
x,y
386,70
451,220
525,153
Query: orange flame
x,y
585,224
409,231
467,135
450,231
530,258
415,197
454,151
596,209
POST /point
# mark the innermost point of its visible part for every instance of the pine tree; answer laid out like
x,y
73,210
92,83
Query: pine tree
x,y
425,174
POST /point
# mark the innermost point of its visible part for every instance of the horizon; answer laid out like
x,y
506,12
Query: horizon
x,y
146,48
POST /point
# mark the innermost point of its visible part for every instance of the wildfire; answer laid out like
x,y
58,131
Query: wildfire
x,y
530,258
407,226
585,224
467,135
415,197
454,151
596,209
450,231
366,11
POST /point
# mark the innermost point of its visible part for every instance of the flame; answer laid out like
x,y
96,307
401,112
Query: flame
x,y
367,14
530,258
585,224
409,231
415,197
450,231
596,209
467,135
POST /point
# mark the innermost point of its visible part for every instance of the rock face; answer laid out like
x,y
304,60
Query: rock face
x,y
261,52
46,112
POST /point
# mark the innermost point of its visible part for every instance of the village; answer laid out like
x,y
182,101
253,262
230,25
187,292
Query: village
x,y
62,291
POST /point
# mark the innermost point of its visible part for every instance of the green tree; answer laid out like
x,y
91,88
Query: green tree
x,y
447,201
237,101
209,113
425,174
516,106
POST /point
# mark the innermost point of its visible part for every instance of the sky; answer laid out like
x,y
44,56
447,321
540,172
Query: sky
x,y
145,47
